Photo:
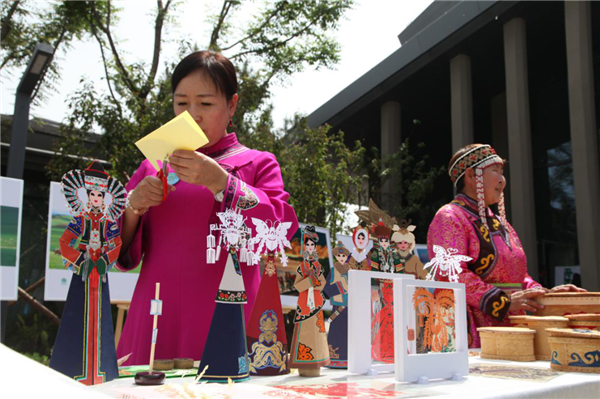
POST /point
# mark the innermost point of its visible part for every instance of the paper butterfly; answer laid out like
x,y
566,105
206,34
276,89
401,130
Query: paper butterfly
x,y
446,263
272,237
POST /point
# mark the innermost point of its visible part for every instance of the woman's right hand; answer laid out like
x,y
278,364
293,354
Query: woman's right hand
x,y
148,193
523,300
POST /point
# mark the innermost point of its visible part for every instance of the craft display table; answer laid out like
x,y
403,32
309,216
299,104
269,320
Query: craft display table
x,y
488,379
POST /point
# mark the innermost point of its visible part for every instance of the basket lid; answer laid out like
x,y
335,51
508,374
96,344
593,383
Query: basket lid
x,y
545,319
573,333
512,330
571,294
521,317
584,317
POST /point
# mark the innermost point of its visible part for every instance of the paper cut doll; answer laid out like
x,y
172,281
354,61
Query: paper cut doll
x,y
359,257
267,342
382,345
85,344
225,351
309,349
404,241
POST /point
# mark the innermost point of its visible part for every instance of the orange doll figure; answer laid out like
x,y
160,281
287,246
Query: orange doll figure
x,y
309,349
382,347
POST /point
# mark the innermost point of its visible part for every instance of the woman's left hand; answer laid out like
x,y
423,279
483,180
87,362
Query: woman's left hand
x,y
567,288
196,168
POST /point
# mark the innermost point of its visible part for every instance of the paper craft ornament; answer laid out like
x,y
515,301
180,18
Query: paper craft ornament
x,y
149,377
445,263
309,350
266,339
404,242
225,353
85,344
337,290
359,257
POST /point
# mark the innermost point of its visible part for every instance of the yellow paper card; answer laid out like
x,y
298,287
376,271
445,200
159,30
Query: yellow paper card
x,y
180,133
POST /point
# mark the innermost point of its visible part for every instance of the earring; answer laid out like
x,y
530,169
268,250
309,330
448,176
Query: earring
x,y
230,122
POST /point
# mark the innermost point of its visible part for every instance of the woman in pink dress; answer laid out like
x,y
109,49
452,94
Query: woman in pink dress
x,y
171,235
496,278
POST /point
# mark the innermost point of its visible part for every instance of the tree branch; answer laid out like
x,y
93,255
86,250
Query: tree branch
x,y
258,29
214,36
106,29
6,23
158,26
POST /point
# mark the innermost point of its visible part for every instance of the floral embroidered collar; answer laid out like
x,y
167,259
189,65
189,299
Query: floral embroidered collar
x,y
467,202
224,148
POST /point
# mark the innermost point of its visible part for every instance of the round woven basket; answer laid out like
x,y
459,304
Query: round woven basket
x,y
586,321
518,321
575,350
564,303
540,324
507,343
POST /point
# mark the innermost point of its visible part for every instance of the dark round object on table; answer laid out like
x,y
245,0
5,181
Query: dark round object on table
x,y
145,378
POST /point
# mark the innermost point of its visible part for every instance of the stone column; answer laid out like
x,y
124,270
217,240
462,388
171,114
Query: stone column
x,y
519,140
500,140
584,143
390,143
461,101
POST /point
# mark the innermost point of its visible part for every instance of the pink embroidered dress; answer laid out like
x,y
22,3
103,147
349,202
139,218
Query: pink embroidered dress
x,y
171,238
499,265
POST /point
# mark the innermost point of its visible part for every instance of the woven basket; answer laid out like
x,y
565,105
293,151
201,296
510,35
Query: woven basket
x,y
507,343
540,324
564,303
575,350
586,321
518,321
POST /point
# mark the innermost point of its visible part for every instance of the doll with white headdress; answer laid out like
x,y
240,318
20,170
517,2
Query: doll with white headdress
x,y
85,344
404,241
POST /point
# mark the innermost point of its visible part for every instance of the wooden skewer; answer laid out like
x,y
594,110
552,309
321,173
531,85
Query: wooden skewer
x,y
154,332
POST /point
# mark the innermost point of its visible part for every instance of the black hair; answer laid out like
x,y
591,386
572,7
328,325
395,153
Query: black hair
x,y
216,66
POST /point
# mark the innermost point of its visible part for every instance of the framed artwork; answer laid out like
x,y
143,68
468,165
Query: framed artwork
x,y
430,330
11,209
58,277
371,321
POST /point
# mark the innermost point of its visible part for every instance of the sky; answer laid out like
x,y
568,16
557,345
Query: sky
x,y
367,35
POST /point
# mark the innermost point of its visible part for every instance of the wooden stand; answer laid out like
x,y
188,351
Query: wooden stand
x,y
150,378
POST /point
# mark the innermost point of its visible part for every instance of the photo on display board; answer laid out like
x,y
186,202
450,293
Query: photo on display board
x,y
58,277
287,275
11,205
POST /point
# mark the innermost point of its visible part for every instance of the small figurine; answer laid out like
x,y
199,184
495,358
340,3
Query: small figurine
x,y
337,290
266,339
149,377
404,241
85,344
225,355
309,349
359,257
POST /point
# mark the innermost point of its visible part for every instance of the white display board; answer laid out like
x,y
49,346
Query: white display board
x,y
360,308
11,210
58,277
439,308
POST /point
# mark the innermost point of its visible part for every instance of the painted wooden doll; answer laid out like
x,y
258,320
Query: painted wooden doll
x,y
404,242
309,349
359,257
85,344
337,290
225,351
267,342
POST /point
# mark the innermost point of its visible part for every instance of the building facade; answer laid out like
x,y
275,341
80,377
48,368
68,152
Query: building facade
x,y
522,76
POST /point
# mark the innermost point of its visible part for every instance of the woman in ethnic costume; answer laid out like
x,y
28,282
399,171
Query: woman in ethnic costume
x,y
337,291
85,345
172,235
496,279
309,350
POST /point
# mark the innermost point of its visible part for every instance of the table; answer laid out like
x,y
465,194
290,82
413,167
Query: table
x,y
543,383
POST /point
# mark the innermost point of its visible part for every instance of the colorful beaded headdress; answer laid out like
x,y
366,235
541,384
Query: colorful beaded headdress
x,y
479,158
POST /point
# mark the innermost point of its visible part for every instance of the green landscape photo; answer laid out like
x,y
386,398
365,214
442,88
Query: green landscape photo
x,y
9,226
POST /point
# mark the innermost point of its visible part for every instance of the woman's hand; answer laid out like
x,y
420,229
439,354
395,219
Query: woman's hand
x,y
196,168
522,300
149,192
567,288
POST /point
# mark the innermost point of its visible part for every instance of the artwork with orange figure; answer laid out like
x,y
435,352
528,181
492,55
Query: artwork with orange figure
x,y
382,320
434,311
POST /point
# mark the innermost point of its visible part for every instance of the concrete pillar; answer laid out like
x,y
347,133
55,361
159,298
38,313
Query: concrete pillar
x,y
519,140
390,143
584,143
500,140
461,101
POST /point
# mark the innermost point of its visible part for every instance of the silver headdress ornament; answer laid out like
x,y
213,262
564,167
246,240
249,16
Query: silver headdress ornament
x,y
234,234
